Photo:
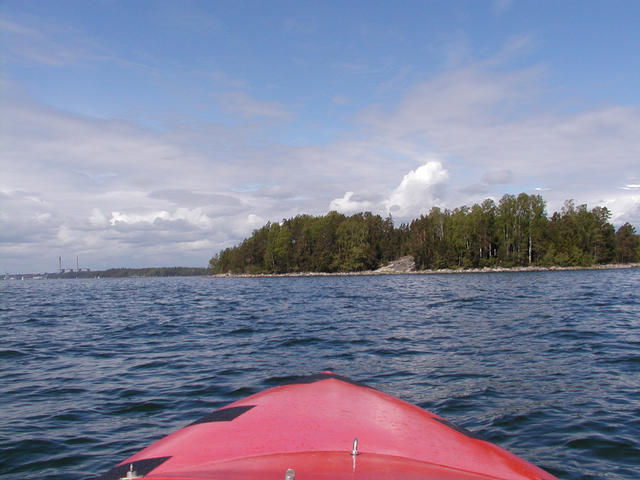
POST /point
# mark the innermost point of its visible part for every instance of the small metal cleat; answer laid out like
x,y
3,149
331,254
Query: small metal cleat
x,y
290,475
131,473
354,450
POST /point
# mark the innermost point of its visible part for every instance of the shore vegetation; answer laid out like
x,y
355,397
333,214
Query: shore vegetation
x,y
132,272
514,232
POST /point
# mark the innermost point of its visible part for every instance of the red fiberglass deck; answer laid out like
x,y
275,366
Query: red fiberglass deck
x,y
306,431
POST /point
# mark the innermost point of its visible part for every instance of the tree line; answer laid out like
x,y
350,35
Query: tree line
x,y
134,272
515,231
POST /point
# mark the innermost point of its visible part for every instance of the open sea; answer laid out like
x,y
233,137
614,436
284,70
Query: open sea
x,y
545,364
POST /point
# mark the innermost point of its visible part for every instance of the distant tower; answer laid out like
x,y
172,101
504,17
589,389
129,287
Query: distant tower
x,y
77,269
60,263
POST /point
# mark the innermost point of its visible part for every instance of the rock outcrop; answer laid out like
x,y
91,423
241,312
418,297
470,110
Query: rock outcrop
x,y
401,265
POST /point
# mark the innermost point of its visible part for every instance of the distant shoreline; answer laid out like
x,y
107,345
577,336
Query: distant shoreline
x,y
386,270
445,271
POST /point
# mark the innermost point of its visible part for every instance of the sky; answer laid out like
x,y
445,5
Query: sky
x,y
156,133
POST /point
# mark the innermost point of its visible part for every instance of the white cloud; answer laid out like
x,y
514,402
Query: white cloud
x,y
111,192
624,209
120,195
132,218
98,219
29,38
489,180
65,235
419,190
254,221
499,134
494,121
348,206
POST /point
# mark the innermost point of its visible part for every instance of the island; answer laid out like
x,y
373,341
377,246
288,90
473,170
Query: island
x,y
514,233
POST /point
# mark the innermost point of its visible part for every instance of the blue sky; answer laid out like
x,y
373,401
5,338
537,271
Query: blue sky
x,y
158,132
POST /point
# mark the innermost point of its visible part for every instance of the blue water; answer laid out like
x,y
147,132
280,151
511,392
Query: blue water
x,y
545,364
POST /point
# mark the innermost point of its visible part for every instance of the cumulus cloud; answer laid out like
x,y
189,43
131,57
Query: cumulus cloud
x,y
419,190
624,209
106,190
495,129
191,216
347,205
253,221
120,194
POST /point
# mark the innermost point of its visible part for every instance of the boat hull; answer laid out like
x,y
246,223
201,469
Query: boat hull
x,y
308,428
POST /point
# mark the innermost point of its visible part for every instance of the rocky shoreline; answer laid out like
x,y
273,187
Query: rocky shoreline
x,y
406,266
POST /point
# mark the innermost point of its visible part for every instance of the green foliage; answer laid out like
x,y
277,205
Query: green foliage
x,y
628,244
514,232
329,243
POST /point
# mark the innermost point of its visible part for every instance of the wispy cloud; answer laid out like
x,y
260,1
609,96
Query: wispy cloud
x,y
192,20
477,117
29,38
101,187
487,131
498,177
501,6
107,190
488,181
241,104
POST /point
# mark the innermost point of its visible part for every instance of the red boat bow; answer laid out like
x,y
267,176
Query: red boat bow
x,y
307,429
